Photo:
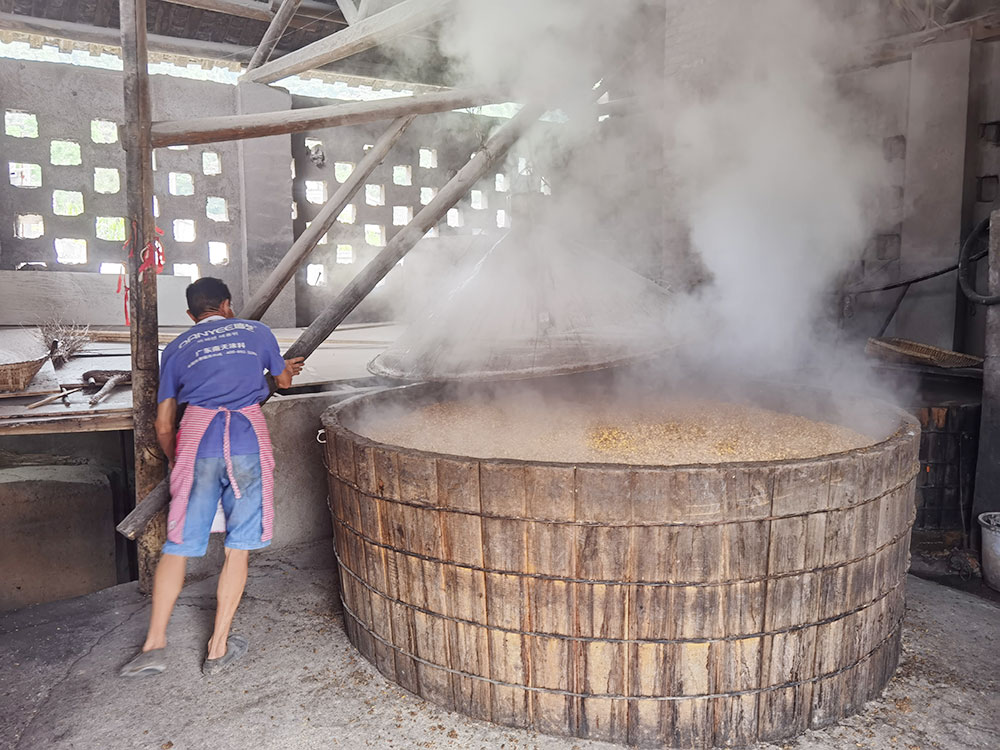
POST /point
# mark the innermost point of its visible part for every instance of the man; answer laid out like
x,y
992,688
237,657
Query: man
x,y
220,462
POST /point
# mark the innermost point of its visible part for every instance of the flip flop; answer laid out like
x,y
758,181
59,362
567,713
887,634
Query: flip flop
x,y
236,648
146,664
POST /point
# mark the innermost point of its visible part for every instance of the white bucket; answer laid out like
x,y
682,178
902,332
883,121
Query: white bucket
x,y
990,524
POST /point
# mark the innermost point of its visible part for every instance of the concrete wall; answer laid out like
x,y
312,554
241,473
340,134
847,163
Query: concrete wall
x,y
56,539
200,187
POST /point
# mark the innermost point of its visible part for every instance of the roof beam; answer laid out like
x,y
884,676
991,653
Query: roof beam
x,y
405,18
262,11
258,125
274,31
895,49
350,11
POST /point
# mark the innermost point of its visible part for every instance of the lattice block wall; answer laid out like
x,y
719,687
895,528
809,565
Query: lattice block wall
x,y
428,154
63,204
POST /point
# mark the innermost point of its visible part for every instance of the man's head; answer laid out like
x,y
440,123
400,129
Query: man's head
x,y
207,297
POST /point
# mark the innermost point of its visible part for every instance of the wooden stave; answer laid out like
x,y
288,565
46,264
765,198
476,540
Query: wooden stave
x,y
351,458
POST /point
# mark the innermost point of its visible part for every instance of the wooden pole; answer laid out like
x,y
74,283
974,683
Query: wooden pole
x,y
274,31
399,20
307,241
987,494
362,284
149,460
260,124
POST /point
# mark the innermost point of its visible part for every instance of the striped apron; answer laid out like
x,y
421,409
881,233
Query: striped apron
x,y
193,426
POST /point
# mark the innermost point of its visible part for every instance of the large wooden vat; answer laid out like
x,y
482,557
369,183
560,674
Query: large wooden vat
x,y
685,606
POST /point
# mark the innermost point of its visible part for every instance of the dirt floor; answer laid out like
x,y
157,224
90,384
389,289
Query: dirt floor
x,y
303,686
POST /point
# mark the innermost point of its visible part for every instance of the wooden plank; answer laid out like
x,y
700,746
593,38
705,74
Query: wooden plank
x,y
349,9
261,12
274,31
64,425
321,224
362,284
258,125
84,298
150,463
404,18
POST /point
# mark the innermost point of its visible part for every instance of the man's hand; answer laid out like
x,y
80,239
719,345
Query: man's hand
x,y
292,368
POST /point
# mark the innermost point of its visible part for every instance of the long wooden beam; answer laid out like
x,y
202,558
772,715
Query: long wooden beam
x,y
405,18
307,241
274,31
894,49
236,127
349,9
262,12
150,463
458,186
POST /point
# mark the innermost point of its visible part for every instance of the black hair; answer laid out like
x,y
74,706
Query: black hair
x,y
206,294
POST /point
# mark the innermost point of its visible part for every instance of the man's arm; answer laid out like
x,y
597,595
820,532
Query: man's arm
x,y
166,431
292,368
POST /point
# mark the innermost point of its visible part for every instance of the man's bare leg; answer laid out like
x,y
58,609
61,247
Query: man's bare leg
x,y
167,584
232,581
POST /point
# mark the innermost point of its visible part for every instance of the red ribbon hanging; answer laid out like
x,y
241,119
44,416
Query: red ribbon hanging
x,y
153,256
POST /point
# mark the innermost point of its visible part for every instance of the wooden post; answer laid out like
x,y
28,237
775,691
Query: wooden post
x,y
149,459
307,241
362,284
260,124
274,31
987,498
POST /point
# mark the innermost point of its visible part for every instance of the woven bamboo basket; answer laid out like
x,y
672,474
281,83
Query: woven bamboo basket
x,y
16,376
903,350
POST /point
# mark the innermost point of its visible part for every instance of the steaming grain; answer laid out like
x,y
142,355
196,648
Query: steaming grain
x,y
694,432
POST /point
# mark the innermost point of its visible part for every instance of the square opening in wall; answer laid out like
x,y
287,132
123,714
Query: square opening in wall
x,y
20,124
503,220
211,164
32,265
502,184
375,235
401,215
71,251
152,160
24,175
375,195
427,195
291,166
544,188
218,253
187,269
523,168
312,142
345,255
107,180
432,232
316,274
402,174
428,158
103,131
478,200
322,240
29,226
316,191
216,208
65,153
67,202
368,147
184,230
112,269
295,210
342,170
455,218
177,148
180,183
111,228
156,207
349,215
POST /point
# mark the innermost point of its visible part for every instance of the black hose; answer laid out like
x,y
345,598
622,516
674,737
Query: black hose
x,y
965,264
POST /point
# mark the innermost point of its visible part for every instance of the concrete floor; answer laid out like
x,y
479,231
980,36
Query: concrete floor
x,y
303,686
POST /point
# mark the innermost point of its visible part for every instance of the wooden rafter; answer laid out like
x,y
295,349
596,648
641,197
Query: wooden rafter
x,y
235,127
405,18
310,11
274,31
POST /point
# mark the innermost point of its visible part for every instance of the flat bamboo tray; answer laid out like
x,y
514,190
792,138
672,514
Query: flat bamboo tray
x,y
904,350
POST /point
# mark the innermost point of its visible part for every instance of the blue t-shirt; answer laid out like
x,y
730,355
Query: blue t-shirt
x,y
221,362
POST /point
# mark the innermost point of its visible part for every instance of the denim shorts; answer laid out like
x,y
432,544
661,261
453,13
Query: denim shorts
x,y
244,515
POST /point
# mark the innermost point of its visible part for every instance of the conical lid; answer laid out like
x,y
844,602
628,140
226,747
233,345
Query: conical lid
x,y
532,306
